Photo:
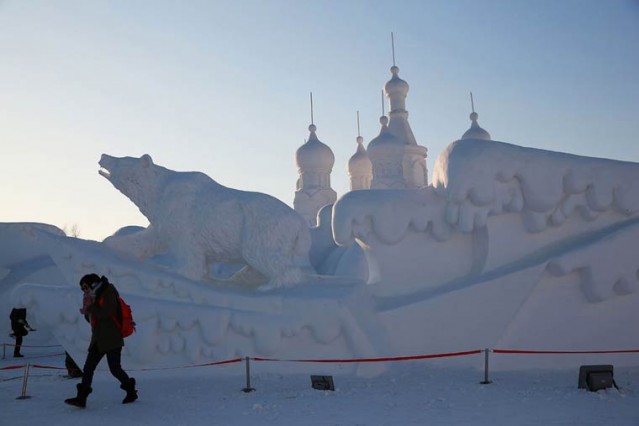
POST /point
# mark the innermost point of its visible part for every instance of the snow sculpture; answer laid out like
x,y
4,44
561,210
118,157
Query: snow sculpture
x,y
330,259
512,247
490,206
398,161
529,249
181,322
195,221
314,162
360,168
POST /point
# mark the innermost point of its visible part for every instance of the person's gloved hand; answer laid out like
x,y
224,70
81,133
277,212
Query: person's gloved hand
x,y
87,300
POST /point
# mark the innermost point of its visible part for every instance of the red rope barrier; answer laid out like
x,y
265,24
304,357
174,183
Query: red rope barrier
x,y
50,367
33,346
45,356
398,358
516,351
351,360
228,361
42,356
12,367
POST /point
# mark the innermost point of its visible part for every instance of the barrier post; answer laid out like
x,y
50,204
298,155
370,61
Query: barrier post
x,y
248,387
24,383
4,350
486,381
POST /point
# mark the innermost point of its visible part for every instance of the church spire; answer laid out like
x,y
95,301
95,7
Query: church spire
x,y
398,161
360,168
315,162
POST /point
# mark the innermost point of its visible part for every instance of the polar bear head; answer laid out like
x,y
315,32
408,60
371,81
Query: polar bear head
x,y
137,178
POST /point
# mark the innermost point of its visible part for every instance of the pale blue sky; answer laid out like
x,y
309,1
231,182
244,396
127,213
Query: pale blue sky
x,y
223,87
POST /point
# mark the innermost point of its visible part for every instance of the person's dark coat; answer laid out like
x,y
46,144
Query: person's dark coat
x,y
18,318
105,334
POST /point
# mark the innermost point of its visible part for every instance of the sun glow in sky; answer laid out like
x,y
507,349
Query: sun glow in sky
x,y
223,87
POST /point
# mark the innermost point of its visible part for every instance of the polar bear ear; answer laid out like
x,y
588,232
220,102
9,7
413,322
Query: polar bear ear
x,y
146,160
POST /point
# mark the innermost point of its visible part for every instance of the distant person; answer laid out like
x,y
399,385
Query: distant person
x,y
20,328
106,338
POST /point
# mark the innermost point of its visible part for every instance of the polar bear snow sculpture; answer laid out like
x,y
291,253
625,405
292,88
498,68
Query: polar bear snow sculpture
x,y
195,222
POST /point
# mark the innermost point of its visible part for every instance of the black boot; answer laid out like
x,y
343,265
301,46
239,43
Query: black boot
x,y
81,399
131,392
18,355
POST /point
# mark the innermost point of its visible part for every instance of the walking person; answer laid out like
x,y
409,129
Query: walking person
x,y
19,327
101,309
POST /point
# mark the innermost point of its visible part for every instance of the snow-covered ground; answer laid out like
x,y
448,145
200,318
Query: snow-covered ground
x,y
408,393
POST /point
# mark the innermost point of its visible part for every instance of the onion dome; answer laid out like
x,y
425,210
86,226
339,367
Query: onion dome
x,y
359,163
314,154
385,140
396,89
475,132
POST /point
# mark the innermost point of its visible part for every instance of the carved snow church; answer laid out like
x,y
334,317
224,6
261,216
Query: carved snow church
x,y
392,160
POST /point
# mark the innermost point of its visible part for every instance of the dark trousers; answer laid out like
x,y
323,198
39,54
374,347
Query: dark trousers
x,y
16,350
113,359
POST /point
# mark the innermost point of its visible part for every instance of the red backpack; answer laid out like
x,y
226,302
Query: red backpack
x,y
123,319
127,325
